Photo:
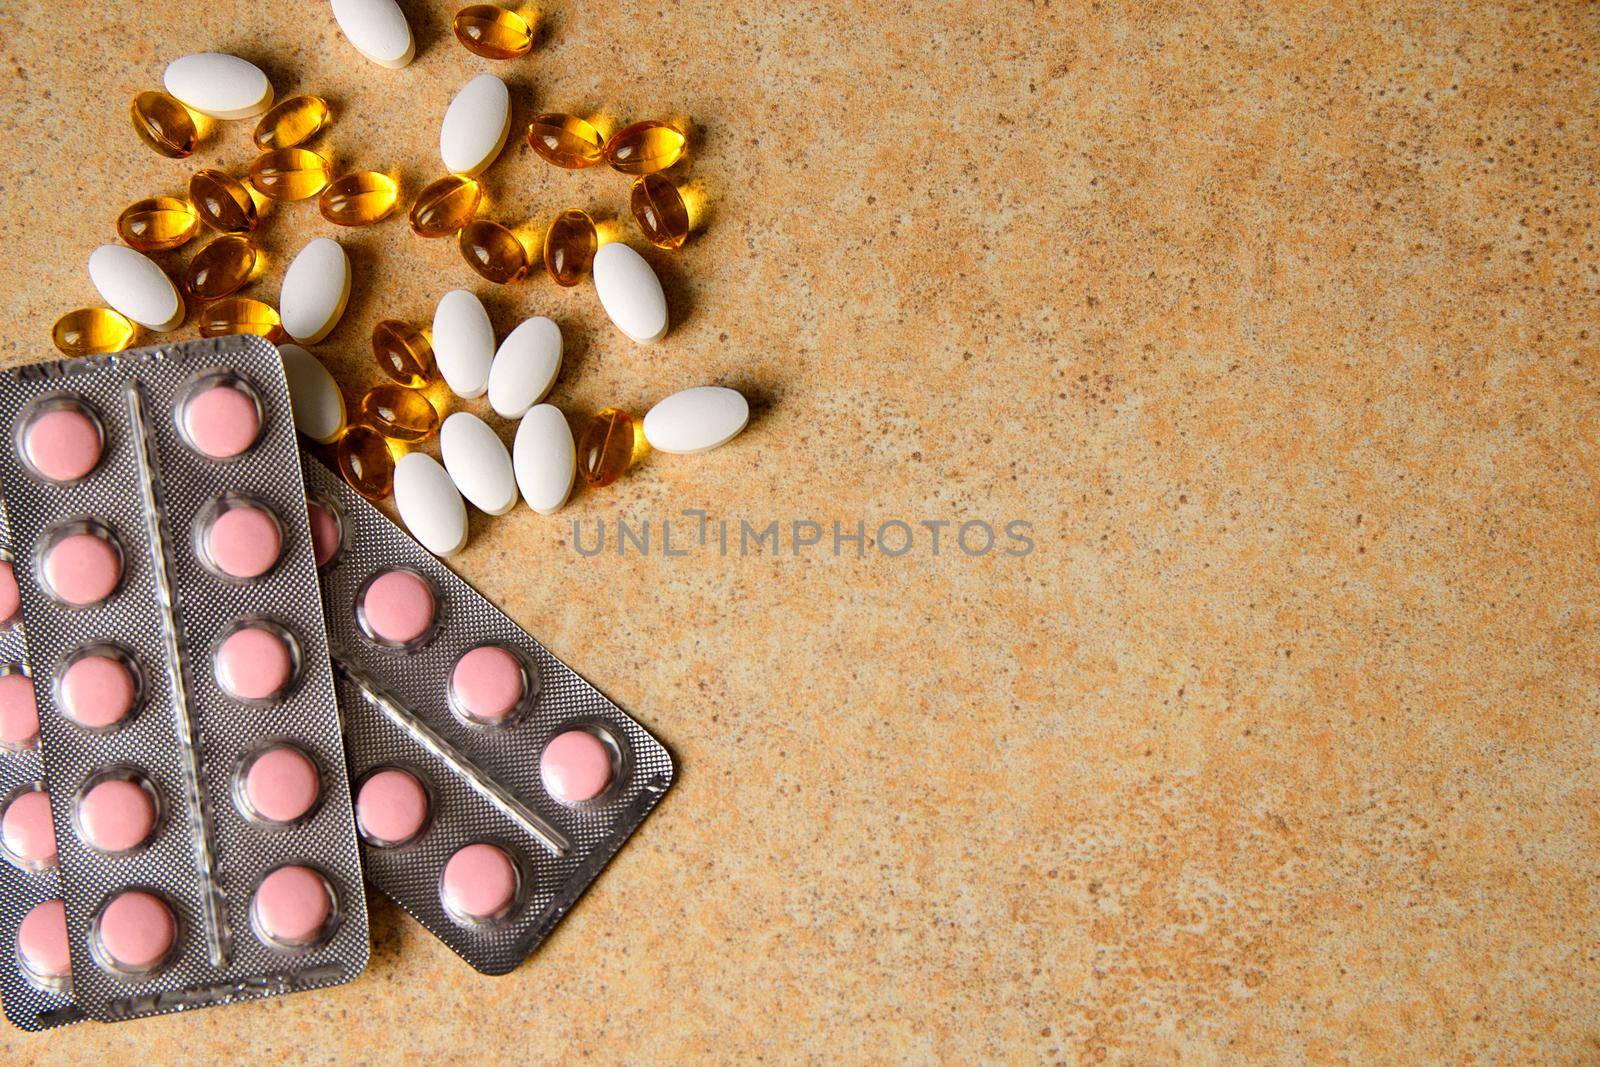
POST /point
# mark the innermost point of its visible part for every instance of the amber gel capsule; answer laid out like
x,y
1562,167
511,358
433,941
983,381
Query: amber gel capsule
x,y
222,201
493,251
645,147
359,199
291,122
659,209
565,140
221,268
493,32
399,413
163,124
403,352
569,246
289,173
445,206
240,314
157,223
92,332
605,447
364,460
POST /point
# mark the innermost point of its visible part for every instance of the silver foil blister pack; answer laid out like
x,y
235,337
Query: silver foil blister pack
x,y
227,665
481,778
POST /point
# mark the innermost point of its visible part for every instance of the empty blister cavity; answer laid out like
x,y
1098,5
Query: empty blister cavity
x,y
116,811
219,414
238,538
98,687
579,766
480,884
277,785
492,686
27,836
80,564
19,711
293,909
327,531
397,609
134,933
60,439
392,807
42,954
256,661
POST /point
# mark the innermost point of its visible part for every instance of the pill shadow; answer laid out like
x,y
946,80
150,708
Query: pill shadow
x,y
674,281
431,25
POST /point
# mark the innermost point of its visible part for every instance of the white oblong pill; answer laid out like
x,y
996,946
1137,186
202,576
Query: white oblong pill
x,y
696,419
378,30
313,395
545,458
475,125
133,284
315,289
429,504
630,292
525,367
219,85
463,343
478,463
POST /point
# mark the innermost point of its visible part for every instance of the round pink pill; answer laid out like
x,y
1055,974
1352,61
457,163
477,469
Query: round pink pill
x,y
254,664
282,784
42,941
19,715
487,683
137,930
391,807
324,532
97,692
27,831
575,767
398,607
63,444
244,542
116,815
82,569
479,883
221,421
292,906
10,595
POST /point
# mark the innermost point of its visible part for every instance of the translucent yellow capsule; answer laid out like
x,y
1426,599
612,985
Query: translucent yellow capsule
x,y
222,201
289,173
605,447
399,413
163,124
493,251
157,223
359,199
659,209
221,268
365,461
403,352
291,122
91,332
645,147
240,314
569,246
445,206
565,140
493,32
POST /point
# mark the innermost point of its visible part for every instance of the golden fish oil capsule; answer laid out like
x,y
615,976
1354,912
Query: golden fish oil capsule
x,y
291,122
493,251
659,209
399,413
221,268
364,460
222,201
605,447
645,147
493,32
92,332
241,314
157,223
163,124
445,206
403,352
565,140
359,199
289,173
569,246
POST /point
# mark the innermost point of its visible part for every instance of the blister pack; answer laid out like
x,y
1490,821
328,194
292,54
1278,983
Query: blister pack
x,y
187,715
492,782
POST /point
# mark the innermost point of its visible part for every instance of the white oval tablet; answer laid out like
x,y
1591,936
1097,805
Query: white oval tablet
x,y
478,463
463,343
630,292
313,395
133,284
429,504
378,29
545,458
219,85
475,125
315,289
696,419
525,367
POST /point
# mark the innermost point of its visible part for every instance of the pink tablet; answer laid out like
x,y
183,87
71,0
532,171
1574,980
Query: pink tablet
x,y
391,808
62,444
19,715
42,942
10,595
281,784
479,883
254,663
576,766
116,815
397,608
487,684
244,541
136,931
292,907
97,692
82,569
27,832
221,421
324,532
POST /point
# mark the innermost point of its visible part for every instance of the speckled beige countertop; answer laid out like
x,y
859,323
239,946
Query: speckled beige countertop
x,y
1280,330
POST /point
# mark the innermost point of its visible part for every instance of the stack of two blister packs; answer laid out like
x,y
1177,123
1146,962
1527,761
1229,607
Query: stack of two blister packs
x,y
230,687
